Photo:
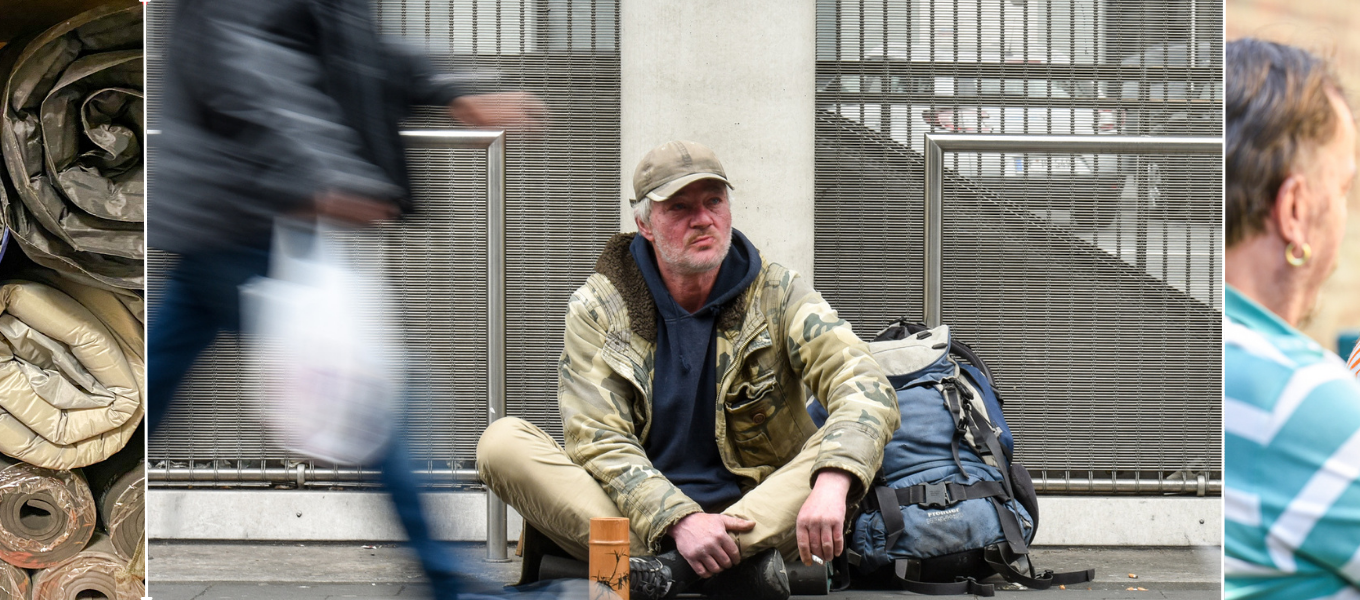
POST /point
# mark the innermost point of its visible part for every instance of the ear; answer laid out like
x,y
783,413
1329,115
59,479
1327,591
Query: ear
x,y
1293,210
644,229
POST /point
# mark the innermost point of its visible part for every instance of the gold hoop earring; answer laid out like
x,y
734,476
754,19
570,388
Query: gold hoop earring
x,y
1297,261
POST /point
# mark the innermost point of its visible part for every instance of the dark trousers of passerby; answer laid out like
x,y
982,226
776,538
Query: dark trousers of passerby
x,y
200,299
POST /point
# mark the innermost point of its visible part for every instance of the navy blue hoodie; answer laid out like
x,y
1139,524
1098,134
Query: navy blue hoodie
x,y
682,443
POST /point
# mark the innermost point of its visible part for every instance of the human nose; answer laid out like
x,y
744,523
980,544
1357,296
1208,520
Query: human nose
x,y
703,218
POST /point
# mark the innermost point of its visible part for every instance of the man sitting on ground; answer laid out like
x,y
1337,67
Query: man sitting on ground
x,y
682,390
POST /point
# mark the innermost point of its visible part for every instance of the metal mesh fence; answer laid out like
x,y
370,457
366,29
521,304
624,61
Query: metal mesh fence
x,y
1090,282
561,206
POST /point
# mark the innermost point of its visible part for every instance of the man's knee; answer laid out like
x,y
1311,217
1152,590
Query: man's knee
x,y
502,445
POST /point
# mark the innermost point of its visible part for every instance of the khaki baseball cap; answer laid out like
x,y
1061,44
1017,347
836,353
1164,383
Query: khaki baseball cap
x,y
674,165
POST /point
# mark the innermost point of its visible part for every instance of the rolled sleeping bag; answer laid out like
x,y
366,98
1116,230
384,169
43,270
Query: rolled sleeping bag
x,y
71,125
136,306
46,516
96,573
14,583
119,312
70,396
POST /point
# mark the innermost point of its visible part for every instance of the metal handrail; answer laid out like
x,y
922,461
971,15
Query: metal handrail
x,y
937,144
303,476
494,143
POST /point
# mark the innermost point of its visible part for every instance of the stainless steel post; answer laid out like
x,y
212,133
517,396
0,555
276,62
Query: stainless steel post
x,y
495,184
494,143
934,232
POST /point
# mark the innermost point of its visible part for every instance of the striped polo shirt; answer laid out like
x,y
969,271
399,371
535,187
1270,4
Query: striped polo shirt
x,y
1291,428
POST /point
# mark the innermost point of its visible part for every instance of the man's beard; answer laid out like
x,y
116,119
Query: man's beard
x,y
686,265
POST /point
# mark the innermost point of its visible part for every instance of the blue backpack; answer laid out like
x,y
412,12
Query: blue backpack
x,y
950,507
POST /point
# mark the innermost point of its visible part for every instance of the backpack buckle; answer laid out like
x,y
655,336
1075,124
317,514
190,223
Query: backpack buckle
x,y
937,496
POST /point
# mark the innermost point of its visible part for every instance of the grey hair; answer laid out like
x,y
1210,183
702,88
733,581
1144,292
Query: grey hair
x,y
642,210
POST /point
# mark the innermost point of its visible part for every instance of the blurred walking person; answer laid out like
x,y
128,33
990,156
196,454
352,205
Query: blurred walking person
x,y
285,107
1291,409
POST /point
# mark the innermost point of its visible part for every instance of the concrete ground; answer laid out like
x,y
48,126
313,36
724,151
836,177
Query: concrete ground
x,y
269,571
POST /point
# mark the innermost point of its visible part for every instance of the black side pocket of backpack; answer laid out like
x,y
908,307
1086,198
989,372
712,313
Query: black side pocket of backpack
x,y
1024,491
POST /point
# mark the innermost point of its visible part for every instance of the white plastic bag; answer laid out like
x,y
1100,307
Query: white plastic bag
x,y
321,336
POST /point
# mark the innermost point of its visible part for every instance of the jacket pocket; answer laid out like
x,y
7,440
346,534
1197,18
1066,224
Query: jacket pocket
x,y
762,427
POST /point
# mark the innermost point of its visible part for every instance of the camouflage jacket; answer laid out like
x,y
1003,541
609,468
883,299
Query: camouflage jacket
x,y
777,342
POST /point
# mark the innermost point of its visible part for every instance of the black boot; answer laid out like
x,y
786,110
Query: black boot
x,y
760,577
681,573
649,579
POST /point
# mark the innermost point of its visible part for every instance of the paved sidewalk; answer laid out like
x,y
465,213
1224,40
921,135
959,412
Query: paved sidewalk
x,y
265,571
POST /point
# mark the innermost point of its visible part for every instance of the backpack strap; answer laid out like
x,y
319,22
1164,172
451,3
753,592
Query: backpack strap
x,y
889,501
1010,524
893,523
1004,563
907,573
1010,528
953,400
933,495
985,442
973,427
994,446
970,409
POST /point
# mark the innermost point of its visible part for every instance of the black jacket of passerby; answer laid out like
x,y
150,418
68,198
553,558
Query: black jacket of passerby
x,y
268,102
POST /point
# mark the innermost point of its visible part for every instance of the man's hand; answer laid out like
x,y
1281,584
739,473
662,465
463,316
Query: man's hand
x,y
703,540
821,521
353,210
507,110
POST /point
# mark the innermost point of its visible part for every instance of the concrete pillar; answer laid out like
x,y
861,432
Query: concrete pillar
x,y
739,78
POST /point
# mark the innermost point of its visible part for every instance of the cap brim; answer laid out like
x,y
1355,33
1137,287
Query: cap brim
x,y
663,192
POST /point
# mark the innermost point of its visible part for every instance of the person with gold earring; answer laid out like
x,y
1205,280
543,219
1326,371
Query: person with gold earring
x,y
1291,414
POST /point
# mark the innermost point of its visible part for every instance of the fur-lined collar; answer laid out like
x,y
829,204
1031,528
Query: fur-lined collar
x,y
617,265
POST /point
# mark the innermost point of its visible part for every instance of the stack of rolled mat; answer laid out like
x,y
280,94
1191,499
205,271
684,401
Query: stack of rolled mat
x,y
46,516
118,488
71,134
94,573
121,509
137,566
72,375
14,583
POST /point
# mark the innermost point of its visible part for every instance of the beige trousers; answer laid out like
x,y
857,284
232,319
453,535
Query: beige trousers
x,y
527,468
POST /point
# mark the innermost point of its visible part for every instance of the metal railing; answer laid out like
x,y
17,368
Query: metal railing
x,y
493,142
937,144
303,476
935,147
